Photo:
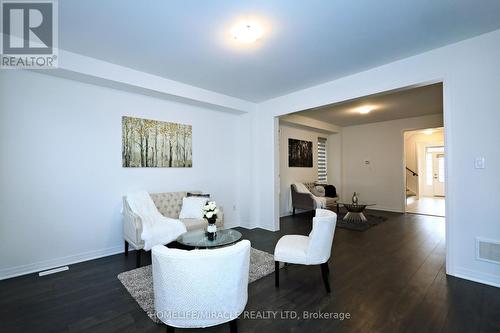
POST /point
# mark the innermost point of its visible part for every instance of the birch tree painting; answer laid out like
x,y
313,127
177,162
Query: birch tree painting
x,y
155,144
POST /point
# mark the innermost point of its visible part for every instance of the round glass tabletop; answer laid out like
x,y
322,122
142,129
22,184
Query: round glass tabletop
x,y
359,203
199,238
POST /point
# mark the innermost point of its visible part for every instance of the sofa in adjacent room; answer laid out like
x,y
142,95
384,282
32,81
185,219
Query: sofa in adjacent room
x,y
310,196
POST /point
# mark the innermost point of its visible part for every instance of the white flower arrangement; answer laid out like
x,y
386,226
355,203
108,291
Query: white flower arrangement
x,y
210,210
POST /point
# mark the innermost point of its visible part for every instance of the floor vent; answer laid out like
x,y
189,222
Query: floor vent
x,y
488,250
52,271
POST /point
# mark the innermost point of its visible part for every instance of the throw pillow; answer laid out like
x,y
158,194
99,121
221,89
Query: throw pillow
x,y
330,191
204,195
192,207
318,191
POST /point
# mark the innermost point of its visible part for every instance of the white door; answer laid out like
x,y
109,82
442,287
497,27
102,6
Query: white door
x,y
438,174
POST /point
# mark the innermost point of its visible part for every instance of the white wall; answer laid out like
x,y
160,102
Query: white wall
x,y
61,179
382,145
470,72
290,175
47,217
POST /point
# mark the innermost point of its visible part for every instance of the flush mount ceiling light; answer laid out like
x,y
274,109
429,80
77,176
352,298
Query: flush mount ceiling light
x,y
428,131
364,109
247,32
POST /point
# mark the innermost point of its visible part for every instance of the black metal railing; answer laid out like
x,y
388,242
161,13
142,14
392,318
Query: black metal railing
x,y
412,172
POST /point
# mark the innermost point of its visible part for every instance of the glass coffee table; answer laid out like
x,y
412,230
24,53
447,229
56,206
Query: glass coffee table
x,y
355,211
198,239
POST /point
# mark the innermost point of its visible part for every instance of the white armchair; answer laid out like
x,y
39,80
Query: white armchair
x,y
314,249
200,288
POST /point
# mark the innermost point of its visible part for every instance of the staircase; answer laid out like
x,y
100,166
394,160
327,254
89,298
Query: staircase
x,y
410,193
411,183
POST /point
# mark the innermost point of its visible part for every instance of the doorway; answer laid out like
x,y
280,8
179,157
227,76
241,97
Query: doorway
x,y
425,171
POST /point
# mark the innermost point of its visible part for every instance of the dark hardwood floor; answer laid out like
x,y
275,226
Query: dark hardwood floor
x,y
390,278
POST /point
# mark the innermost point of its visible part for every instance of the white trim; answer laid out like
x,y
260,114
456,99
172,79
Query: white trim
x,y
54,271
268,228
248,227
385,209
448,129
276,175
484,278
447,107
11,272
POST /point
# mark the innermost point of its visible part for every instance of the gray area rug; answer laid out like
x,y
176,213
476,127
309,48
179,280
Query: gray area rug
x,y
139,281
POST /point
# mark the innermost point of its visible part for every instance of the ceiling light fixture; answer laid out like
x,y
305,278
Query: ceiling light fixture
x,y
364,109
247,32
428,131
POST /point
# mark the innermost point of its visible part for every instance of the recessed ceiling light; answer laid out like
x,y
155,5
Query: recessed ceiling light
x,y
247,32
364,109
428,131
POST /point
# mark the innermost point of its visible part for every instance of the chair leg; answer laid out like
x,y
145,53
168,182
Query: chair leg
x,y
170,329
294,211
138,258
324,272
126,248
233,326
277,274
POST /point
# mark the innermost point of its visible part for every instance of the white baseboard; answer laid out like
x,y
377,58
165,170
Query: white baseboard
x,y
11,272
268,228
484,278
248,227
386,209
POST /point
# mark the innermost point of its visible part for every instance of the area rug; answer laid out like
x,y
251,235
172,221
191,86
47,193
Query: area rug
x,y
139,281
359,226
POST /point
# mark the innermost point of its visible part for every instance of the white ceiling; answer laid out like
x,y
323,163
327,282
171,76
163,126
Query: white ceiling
x,y
437,133
306,43
408,103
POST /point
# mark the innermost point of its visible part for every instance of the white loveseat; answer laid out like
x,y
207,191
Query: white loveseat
x,y
169,204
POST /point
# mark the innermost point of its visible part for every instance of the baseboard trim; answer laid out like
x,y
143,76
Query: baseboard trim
x,y
479,277
248,227
385,209
36,267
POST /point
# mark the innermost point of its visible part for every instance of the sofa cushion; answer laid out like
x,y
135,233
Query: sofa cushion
x,y
193,224
318,191
309,185
331,202
330,191
192,207
205,195
169,204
